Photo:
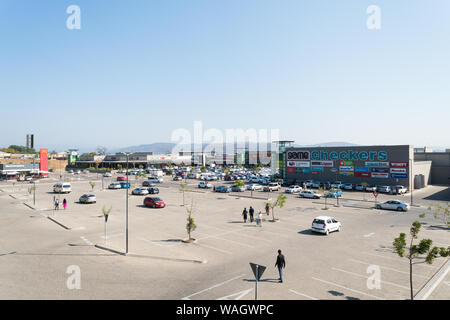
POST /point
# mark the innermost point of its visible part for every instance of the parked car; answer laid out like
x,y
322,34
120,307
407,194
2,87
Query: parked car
x,y
309,194
337,185
398,189
154,179
254,187
154,202
86,171
384,189
120,178
125,185
62,187
348,186
238,188
359,187
88,198
140,191
335,193
293,189
34,180
107,174
393,205
308,183
148,183
273,186
153,190
325,224
204,185
223,189
371,188
115,185
315,184
177,178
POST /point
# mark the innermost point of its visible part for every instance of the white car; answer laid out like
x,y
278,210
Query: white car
x,y
309,194
86,171
348,186
324,224
393,205
254,187
140,191
359,187
384,189
115,185
401,189
149,182
371,188
315,184
273,186
308,183
205,185
293,189
337,185
61,187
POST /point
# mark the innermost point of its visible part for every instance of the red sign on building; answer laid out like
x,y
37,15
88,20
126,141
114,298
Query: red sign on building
x,y
290,170
362,174
43,153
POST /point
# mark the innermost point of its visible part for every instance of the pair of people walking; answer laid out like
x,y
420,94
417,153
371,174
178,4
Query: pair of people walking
x,y
251,213
57,204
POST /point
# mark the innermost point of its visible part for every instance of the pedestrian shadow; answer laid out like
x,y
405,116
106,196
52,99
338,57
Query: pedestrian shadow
x,y
235,221
340,294
310,233
263,280
440,227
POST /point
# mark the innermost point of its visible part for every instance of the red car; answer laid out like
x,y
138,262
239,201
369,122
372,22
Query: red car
x,y
121,179
154,202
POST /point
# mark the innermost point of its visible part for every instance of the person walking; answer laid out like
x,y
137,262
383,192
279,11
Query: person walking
x,y
244,214
260,218
57,204
64,203
280,263
267,208
251,212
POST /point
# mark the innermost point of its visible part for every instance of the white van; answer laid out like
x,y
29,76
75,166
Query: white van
x,y
62,187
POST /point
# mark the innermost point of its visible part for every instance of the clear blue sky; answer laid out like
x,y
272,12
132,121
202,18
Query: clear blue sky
x,y
137,70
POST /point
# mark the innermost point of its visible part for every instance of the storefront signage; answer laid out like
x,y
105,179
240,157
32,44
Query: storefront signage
x,y
322,163
377,164
383,170
346,173
343,163
317,169
380,175
399,175
298,155
346,168
362,169
399,164
298,164
44,162
362,174
398,170
349,155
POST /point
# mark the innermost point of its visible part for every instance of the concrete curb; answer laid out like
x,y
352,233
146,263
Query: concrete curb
x,y
58,223
245,196
27,205
429,287
134,255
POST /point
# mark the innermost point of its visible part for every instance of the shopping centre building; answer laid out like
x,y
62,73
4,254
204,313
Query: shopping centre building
x,y
374,165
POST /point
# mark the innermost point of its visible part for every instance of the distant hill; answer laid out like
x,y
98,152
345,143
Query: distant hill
x,y
329,144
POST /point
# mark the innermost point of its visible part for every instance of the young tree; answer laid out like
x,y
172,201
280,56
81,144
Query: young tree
x,y
190,226
92,184
440,212
280,202
423,250
239,183
323,192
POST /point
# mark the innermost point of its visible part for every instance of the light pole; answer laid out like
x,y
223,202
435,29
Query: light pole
x,y
126,189
411,180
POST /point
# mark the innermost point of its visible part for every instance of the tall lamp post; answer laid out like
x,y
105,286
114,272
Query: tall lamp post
x,y
411,184
126,190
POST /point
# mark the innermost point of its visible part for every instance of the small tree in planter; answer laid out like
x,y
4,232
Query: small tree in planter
x,y
92,184
440,212
323,193
414,252
280,202
190,225
106,213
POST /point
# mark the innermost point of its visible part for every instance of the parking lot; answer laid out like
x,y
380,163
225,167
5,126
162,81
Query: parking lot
x,y
216,265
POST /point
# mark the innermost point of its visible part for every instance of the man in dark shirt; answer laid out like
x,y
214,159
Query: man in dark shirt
x,y
281,263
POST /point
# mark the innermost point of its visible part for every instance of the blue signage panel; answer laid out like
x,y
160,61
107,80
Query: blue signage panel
x,y
362,169
399,175
316,168
383,170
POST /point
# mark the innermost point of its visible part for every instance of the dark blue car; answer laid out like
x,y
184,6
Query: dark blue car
x,y
224,189
125,185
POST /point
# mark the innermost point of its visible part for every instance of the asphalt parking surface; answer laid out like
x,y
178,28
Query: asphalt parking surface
x,y
36,251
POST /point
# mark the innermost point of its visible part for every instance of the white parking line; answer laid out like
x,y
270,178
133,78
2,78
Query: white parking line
x,y
301,294
214,248
338,285
238,295
214,286
87,241
369,235
158,244
109,236
387,268
225,239
367,277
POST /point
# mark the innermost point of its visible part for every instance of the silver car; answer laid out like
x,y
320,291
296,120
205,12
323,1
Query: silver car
x,y
88,198
140,191
393,205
